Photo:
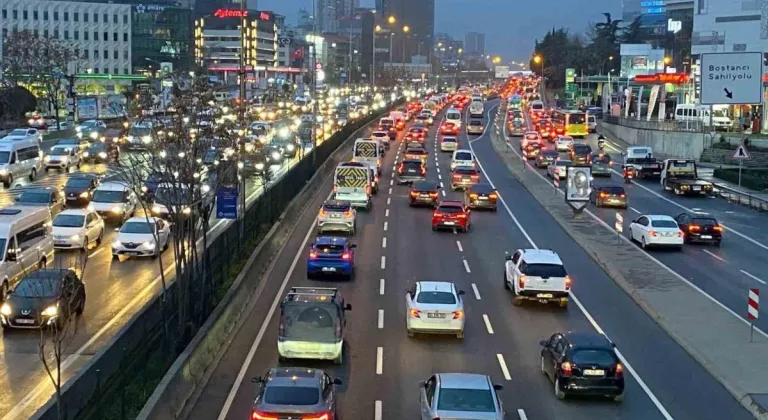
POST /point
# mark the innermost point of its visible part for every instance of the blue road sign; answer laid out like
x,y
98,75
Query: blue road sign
x,y
226,203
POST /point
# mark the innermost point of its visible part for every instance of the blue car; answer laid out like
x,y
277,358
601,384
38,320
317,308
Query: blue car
x,y
331,255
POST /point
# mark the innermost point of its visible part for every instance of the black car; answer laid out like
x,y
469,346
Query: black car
x,y
44,298
424,193
583,363
700,228
481,196
273,154
295,392
50,197
609,196
546,157
101,152
78,189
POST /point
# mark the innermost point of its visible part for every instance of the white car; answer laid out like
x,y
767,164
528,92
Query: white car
x,y
114,201
563,143
462,157
449,144
656,230
429,115
559,168
537,275
141,237
382,137
434,307
62,157
77,228
24,134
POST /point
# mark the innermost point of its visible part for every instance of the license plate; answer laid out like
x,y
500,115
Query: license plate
x,y
71,198
131,253
309,346
410,171
697,188
706,236
435,315
544,295
25,321
448,223
594,372
424,195
331,269
60,242
482,198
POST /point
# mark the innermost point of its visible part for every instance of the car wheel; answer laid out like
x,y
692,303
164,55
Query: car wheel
x,y
564,303
504,278
541,366
598,203
33,174
411,333
339,359
558,393
618,398
85,243
642,243
434,228
46,170
80,307
717,244
100,238
282,359
7,182
115,257
460,334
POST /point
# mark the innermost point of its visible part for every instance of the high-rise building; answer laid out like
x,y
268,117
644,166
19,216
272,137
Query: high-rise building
x,y
330,12
419,16
652,15
474,44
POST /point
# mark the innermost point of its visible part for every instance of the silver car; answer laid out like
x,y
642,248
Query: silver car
x,y
559,168
295,393
336,216
475,127
466,396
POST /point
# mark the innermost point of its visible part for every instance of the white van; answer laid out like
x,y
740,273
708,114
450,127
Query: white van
x,y
453,115
352,182
114,201
476,109
26,243
462,157
693,112
591,123
368,151
18,159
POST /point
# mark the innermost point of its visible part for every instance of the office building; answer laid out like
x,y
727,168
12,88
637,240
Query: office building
x,y
419,16
161,34
474,44
652,15
330,12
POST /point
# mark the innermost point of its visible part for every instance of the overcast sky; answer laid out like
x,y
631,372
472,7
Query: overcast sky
x,y
510,26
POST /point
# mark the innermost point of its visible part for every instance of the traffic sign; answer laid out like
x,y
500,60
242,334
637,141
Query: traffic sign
x,y
226,203
284,41
741,153
732,78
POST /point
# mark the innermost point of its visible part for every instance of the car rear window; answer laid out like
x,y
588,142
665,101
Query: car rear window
x,y
475,123
582,149
336,206
467,400
613,190
415,152
597,357
663,223
449,140
330,248
412,165
291,395
705,221
463,156
550,153
465,171
449,209
543,270
482,189
439,298
531,136
424,186
601,158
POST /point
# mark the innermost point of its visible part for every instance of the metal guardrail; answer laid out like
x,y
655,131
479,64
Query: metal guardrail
x,y
672,125
741,197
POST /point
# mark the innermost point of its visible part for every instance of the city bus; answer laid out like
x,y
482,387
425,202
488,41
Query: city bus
x,y
570,123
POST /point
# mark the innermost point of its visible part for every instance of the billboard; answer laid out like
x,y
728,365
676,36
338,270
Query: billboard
x,y
502,72
87,108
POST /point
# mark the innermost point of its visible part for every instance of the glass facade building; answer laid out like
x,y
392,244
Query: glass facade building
x,y
161,33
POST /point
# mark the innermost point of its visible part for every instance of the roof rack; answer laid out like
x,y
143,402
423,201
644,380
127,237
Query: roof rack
x,y
313,291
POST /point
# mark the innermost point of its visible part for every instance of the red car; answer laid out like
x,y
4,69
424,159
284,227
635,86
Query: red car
x,y
400,124
448,128
416,134
451,215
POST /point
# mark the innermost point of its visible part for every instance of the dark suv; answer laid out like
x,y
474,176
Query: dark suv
x,y
295,392
581,154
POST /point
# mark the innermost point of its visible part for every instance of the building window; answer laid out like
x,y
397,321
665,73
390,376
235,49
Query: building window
x,y
95,18
114,55
76,16
106,55
66,34
85,54
114,18
77,35
15,14
95,36
125,54
55,34
45,15
45,33
24,15
85,17
96,55
35,16
114,36
55,15
125,19
85,35
36,33
125,36
96,70
106,18
125,70
115,71
106,36
66,16
5,14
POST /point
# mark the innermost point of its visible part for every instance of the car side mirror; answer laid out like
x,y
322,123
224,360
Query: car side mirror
x,y
348,307
257,379
422,384
117,229
337,381
498,387
461,293
543,343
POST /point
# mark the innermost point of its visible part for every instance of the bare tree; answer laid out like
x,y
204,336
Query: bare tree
x,y
39,61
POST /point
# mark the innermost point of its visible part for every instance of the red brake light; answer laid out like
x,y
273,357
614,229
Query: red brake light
x,y
493,196
567,282
473,195
717,228
346,256
368,189
414,194
619,369
257,415
313,254
423,170
433,194
415,313
475,177
521,282
322,212
653,233
694,228
458,314
603,195
566,368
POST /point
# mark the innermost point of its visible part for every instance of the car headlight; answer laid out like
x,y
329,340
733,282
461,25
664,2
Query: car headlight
x,y
116,244
84,194
51,311
117,209
149,244
3,171
47,158
5,309
79,135
75,238
146,139
186,210
94,135
157,209
290,147
249,147
86,154
130,138
276,155
78,128
103,155
144,188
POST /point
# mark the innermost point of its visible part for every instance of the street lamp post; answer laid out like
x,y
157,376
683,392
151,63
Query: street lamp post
x,y
602,66
376,30
406,29
539,60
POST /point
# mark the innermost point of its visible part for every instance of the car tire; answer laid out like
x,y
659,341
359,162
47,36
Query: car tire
x,y
504,278
115,257
81,307
517,301
563,304
434,228
560,395
339,359
643,244
100,238
618,398
411,333
541,366
7,182
460,335
282,359
717,244
33,175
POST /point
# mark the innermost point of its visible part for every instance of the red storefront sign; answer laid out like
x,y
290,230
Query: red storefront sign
x,y
230,13
674,78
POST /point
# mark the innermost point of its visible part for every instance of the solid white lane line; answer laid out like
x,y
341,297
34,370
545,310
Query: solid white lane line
x,y
458,244
635,210
386,225
389,200
443,192
381,286
752,277
381,318
383,262
384,242
390,190
713,255
476,291
386,213
521,414
379,360
466,266
487,324
503,365
378,411
95,253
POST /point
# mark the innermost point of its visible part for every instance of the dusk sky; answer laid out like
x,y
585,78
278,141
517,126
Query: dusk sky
x,y
510,26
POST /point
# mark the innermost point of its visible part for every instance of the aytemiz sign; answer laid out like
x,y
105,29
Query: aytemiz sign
x,y
675,78
230,13
732,78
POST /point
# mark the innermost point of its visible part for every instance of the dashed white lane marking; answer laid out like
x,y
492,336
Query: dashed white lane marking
x,y
752,277
443,192
439,176
503,365
381,319
438,170
520,413
713,255
386,225
383,242
386,212
381,286
391,182
635,210
487,324
383,262
441,185
379,360
458,244
378,411
95,253
390,190
389,200
466,266
476,291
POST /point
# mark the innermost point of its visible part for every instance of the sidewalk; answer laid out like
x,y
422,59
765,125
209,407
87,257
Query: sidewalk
x,y
714,336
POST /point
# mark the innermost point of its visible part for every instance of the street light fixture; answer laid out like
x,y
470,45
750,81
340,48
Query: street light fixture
x,y
538,59
391,20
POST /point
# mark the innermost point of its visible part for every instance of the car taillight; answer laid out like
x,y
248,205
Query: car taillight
x,y
433,194
493,196
436,214
680,233
456,176
694,228
415,313
717,228
258,415
400,168
462,215
312,255
473,196
322,416
567,282
475,177
622,195
368,189
323,213
603,195
619,369
566,368
414,194
521,282
653,233
458,314
335,188
423,170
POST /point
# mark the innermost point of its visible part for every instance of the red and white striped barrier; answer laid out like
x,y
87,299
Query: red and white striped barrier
x,y
619,223
753,304
556,180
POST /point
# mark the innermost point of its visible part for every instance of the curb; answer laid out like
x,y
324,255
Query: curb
x,y
744,398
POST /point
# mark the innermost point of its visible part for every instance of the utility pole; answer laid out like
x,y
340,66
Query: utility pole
x,y
243,51
313,70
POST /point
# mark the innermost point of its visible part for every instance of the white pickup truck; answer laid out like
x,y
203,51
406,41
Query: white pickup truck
x,y
537,275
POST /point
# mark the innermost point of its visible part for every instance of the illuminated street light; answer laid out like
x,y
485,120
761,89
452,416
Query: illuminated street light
x,y
391,20
406,28
537,59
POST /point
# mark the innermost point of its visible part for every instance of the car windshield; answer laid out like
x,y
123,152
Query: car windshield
x,y
310,321
5,157
577,118
544,270
38,287
97,147
582,149
453,116
60,151
438,298
705,221
663,223
78,183
171,195
463,156
3,241
291,395
69,220
449,209
35,197
472,400
106,196
139,131
137,227
597,357
18,132
550,153
88,124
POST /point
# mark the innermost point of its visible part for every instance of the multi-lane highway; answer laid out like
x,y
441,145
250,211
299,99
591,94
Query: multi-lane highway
x,y
725,273
396,247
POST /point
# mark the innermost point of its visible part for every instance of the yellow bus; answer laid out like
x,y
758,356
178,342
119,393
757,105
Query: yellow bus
x,y
570,123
